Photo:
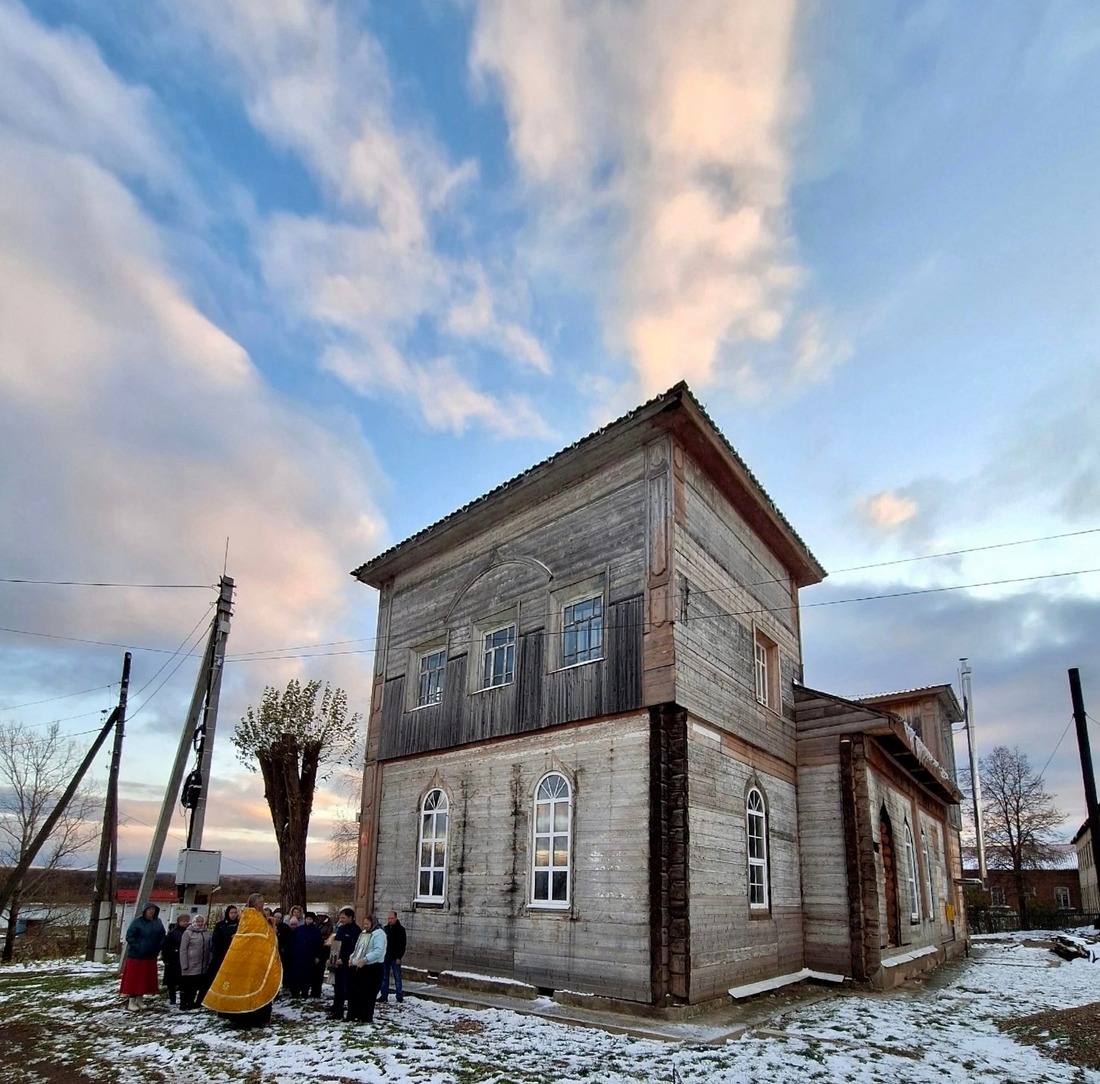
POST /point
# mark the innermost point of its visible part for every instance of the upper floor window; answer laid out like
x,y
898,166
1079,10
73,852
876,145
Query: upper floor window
x,y
929,880
766,666
499,657
552,842
432,879
911,872
432,669
756,830
582,631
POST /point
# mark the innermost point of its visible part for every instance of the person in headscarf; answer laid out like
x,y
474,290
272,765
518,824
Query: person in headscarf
x,y
144,938
251,973
195,954
221,937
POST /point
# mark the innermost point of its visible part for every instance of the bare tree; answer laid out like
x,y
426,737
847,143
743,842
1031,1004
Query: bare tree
x,y
1019,818
292,737
35,769
344,838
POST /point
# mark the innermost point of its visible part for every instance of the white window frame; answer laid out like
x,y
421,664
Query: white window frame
x,y
1062,898
997,896
434,691
594,652
434,807
765,669
914,882
488,657
928,872
556,842
756,832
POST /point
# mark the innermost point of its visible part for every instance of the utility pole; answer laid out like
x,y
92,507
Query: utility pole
x,y
219,629
975,777
101,919
209,724
1081,719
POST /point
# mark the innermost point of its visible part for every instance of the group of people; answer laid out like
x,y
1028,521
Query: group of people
x,y
363,961
240,977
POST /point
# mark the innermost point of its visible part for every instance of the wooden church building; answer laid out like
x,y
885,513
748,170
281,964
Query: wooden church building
x,y
593,764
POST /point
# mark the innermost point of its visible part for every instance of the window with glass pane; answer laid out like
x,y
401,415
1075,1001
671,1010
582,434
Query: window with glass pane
x,y
911,866
553,815
1061,899
500,657
928,872
582,631
761,672
431,881
757,833
433,667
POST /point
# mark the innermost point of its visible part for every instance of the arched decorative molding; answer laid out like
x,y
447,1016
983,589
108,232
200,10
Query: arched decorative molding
x,y
496,561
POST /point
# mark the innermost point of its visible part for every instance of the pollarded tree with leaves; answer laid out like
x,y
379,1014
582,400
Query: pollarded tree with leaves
x,y
1019,818
294,738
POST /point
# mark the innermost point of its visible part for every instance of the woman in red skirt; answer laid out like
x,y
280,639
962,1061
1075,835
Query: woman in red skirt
x,y
144,939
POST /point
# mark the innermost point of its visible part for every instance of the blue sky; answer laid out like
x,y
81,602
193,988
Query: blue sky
x,y
310,276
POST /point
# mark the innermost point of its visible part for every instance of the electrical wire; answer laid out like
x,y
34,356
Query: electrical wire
x,y
63,696
94,583
1055,750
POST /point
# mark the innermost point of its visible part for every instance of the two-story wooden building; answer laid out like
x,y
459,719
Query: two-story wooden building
x,y
592,764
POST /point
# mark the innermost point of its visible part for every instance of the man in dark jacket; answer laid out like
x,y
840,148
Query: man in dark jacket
x,y
341,944
395,950
170,954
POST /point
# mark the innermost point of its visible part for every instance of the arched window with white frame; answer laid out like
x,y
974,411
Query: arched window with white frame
x,y
756,833
911,869
552,842
431,883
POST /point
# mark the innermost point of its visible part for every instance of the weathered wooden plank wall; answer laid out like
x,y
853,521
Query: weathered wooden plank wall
x,y
728,584
601,944
732,944
535,700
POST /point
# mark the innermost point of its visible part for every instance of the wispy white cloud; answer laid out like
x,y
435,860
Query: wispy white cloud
x,y
682,159
137,434
367,269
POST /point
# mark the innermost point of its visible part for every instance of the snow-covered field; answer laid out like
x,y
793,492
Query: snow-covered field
x,y
64,1025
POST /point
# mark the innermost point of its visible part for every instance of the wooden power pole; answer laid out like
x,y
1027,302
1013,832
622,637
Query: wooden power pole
x,y
1088,777
203,702
103,899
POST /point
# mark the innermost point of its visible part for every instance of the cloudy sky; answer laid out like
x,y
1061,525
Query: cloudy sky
x,y
294,279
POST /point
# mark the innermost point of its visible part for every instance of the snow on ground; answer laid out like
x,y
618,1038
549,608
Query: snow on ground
x,y
941,1031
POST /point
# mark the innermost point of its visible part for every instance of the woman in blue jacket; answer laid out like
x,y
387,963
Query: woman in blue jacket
x,y
144,938
365,971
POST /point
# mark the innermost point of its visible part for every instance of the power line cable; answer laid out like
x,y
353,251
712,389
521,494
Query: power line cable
x,y
63,696
971,549
95,583
1055,750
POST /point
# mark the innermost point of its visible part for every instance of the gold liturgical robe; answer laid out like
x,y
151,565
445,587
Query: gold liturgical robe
x,y
251,973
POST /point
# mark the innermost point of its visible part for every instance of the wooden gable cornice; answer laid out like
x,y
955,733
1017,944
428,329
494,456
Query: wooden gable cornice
x,y
676,412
